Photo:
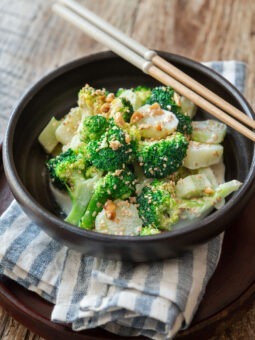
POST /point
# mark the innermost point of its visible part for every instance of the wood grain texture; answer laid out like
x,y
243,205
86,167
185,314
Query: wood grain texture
x,y
34,41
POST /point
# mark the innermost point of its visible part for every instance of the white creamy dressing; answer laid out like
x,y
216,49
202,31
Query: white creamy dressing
x,y
62,199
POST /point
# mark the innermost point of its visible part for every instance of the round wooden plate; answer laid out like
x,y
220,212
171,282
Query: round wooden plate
x,y
229,293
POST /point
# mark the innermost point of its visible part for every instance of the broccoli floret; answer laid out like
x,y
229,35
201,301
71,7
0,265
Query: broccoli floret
x,y
162,158
91,99
68,170
123,106
112,151
157,206
93,127
136,96
62,167
114,185
185,123
165,97
147,231
143,92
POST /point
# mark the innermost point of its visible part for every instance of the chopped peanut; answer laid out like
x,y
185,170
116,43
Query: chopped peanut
x,y
115,144
105,107
110,209
155,106
118,119
109,97
159,127
136,116
127,138
156,110
209,191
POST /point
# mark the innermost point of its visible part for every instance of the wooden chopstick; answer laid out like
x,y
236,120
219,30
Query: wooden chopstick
x,y
202,90
77,15
158,74
158,61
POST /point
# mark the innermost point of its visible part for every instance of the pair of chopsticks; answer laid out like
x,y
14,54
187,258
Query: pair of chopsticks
x,y
154,65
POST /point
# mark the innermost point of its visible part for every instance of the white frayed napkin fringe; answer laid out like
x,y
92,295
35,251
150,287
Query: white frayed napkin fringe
x,y
155,300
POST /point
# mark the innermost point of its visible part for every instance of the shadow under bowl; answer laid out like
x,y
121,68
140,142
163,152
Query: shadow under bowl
x,y
55,94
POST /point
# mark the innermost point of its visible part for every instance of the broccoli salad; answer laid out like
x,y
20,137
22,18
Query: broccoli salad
x,y
135,162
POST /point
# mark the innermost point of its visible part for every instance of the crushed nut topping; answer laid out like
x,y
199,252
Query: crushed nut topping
x,y
159,127
105,107
209,191
127,138
118,119
115,144
110,209
156,110
136,116
110,97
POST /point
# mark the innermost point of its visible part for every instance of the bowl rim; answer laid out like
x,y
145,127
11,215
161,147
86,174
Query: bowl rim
x,y
25,199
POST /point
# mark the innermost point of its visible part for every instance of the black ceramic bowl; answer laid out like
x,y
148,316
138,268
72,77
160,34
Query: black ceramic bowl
x,y
55,94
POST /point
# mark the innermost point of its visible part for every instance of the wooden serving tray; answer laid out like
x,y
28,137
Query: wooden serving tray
x,y
230,292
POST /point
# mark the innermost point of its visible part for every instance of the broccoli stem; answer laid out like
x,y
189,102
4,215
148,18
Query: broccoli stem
x,y
80,197
94,207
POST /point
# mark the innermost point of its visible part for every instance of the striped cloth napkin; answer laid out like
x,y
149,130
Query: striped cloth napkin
x,y
155,299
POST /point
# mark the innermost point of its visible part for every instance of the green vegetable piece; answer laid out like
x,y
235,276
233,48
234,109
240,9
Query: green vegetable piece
x,y
111,151
69,125
136,96
80,195
185,124
47,137
67,171
194,186
123,106
187,107
208,131
93,128
200,207
161,158
200,155
125,220
157,206
119,184
148,231
90,100
208,172
61,167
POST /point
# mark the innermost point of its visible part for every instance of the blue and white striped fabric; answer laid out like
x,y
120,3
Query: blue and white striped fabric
x,y
155,300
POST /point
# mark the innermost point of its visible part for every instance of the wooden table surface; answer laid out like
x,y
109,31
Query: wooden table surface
x,y
34,41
